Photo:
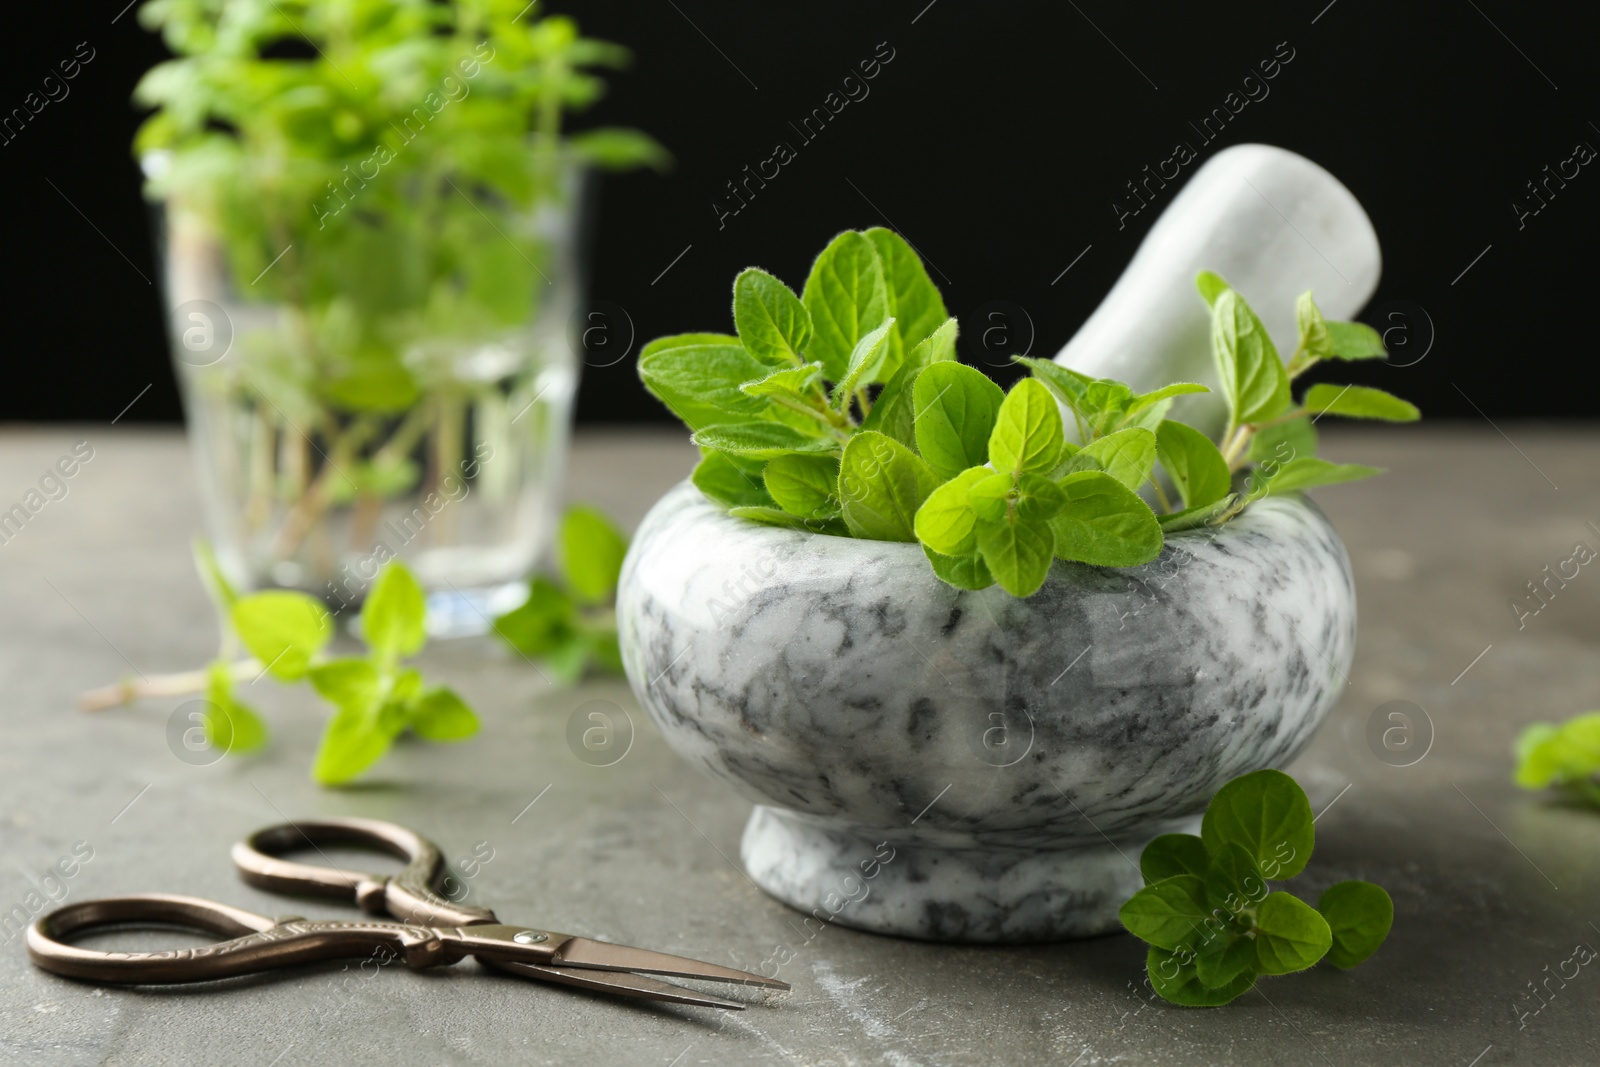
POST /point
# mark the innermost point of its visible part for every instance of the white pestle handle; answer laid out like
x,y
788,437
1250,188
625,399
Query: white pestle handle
x,y
1271,222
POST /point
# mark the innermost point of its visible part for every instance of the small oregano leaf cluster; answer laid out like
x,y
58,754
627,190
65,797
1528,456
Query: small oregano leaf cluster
x,y
843,411
1566,757
570,624
1210,916
375,697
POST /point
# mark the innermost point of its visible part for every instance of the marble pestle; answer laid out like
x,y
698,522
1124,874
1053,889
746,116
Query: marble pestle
x,y
1271,222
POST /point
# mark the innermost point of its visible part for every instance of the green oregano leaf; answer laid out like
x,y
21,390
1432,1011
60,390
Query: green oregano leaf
x,y
1193,463
1360,915
591,553
963,572
762,440
807,486
914,301
1177,979
701,382
1027,433
1168,914
1253,377
956,408
1224,956
846,297
1290,935
1127,455
1173,854
882,483
1267,814
773,324
1104,523
946,521
894,412
440,715
1355,340
1359,402
393,615
282,629
864,360
722,478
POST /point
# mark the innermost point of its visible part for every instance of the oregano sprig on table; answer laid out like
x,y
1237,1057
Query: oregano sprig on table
x,y
1565,757
375,697
843,411
1208,911
570,623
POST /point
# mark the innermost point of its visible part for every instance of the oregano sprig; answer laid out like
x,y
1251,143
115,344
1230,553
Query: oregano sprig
x,y
375,697
1565,757
1210,915
570,623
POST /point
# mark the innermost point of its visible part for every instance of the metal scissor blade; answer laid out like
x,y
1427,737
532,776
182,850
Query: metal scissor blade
x,y
601,955
622,984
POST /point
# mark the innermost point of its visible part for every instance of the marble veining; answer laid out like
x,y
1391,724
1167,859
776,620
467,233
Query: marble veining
x,y
1014,754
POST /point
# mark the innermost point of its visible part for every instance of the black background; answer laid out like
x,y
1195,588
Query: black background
x,y
995,139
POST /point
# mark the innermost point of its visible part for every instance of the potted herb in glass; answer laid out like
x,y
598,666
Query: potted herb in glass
x,y
372,238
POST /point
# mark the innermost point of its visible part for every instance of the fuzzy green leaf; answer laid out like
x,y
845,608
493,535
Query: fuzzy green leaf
x,y
726,480
807,486
1253,377
1193,463
1360,915
1307,472
1211,286
946,521
394,613
542,624
1359,402
846,297
352,742
914,300
762,440
591,553
1314,340
282,629
773,324
230,724
1290,935
1179,981
963,572
894,412
350,684
1223,956
882,483
1267,814
440,715
1355,340
956,408
701,382
1104,523
864,361
1027,431
1170,855
1233,881
1126,455
1018,552
1283,441
1168,914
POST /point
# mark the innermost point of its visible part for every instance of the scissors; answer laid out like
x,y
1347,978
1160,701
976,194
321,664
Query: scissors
x,y
430,930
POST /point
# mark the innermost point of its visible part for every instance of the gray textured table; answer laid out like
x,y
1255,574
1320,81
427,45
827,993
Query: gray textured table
x,y
1493,888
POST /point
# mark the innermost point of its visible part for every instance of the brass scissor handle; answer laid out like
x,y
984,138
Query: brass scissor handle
x,y
407,895
257,942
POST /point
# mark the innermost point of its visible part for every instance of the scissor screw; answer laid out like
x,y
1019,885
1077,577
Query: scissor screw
x,y
528,937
